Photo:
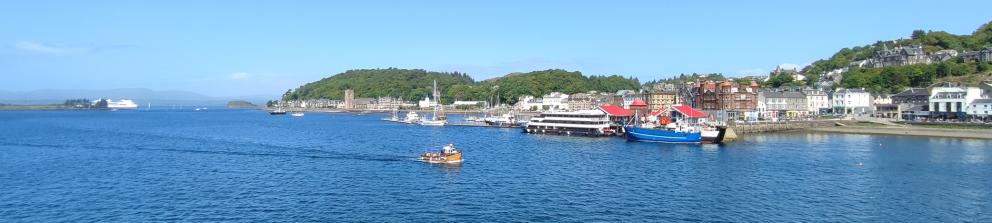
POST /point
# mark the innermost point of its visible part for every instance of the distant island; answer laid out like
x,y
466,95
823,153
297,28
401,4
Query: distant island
x,y
238,104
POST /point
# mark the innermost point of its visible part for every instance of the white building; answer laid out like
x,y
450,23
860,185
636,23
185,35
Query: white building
x,y
526,102
555,101
980,108
851,101
816,101
469,103
948,101
427,103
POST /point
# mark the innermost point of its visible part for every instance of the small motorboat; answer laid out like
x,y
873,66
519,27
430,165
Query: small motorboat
x,y
278,111
297,114
448,154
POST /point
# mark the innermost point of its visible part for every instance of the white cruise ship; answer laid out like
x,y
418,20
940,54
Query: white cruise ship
x,y
121,104
584,123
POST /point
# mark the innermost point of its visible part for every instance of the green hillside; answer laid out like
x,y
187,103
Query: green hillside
x,y
891,79
415,84
410,84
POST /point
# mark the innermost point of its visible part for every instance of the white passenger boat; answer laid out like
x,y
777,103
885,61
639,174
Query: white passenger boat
x,y
583,123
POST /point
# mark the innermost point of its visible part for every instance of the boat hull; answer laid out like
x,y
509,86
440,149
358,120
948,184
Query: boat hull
x,y
592,132
714,137
660,135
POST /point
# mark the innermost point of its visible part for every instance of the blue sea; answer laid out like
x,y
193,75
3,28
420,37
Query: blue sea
x,y
247,166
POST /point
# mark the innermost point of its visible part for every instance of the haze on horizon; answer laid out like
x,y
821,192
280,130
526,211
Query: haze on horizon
x,y
238,48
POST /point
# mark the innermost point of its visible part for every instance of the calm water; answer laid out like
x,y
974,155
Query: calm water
x,y
248,166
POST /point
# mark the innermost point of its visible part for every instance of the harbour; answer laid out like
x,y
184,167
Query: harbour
x,y
346,166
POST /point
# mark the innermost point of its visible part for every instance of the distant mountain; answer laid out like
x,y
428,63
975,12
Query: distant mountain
x,y
139,95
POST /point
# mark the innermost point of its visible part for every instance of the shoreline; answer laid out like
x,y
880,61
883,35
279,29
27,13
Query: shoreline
x,y
909,131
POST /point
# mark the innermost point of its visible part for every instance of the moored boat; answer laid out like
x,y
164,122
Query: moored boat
x,y
448,154
580,123
411,118
278,111
713,134
680,125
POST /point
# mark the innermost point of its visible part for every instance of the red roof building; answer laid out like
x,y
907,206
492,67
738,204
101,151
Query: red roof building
x,y
638,103
616,111
688,112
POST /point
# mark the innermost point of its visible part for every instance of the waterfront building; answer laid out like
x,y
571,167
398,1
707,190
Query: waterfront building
x,y
527,103
364,103
427,103
891,111
554,101
881,98
914,96
626,97
817,101
980,109
731,97
349,99
948,101
850,101
584,101
661,100
787,104
469,104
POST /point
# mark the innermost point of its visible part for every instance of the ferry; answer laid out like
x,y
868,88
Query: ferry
x,y
278,111
448,154
581,123
121,104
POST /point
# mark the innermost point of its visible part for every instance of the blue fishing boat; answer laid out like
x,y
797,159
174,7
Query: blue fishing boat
x,y
661,135
684,129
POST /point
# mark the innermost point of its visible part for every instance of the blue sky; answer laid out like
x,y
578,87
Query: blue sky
x,y
237,48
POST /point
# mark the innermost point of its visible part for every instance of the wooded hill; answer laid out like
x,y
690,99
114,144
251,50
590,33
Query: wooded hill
x,y
415,84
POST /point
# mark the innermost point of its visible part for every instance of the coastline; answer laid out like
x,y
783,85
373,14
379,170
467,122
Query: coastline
x,y
909,131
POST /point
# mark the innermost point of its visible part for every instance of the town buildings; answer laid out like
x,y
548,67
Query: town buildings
x,y
733,98
661,100
851,101
948,101
984,55
788,104
980,109
817,101
554,101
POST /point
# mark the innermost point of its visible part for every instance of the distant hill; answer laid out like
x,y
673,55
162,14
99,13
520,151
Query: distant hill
x,y
414,84
410,84
139,95
238,104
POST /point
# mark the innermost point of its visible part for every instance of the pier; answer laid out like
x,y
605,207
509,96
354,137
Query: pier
x,y
748,128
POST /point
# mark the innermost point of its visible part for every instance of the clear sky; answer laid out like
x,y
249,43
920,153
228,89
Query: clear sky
x,y
238,48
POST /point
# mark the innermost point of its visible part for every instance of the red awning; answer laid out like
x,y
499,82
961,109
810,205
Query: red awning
x,y
638,103
614,110
689,111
